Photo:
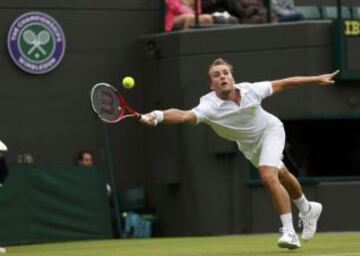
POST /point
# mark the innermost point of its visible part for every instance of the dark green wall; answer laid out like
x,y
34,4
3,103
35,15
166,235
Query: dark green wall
x,y
49,116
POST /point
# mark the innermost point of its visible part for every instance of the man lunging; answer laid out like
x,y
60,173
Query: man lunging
x,y
234,112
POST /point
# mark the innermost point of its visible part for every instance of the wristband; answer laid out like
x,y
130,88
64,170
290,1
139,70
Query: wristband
x,y
159,115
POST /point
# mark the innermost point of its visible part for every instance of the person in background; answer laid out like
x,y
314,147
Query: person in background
x,y
249,11
285,10
3,165
3,172
219,10
180,14
85,159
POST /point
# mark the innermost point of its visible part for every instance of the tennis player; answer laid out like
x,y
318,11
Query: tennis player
x,y
234,112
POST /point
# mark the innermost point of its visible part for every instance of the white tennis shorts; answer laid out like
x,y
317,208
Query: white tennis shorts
x,y
268,149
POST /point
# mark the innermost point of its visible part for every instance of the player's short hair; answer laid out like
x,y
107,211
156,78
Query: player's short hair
x,y
217,62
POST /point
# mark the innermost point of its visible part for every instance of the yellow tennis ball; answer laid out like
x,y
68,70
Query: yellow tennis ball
x,y
128,82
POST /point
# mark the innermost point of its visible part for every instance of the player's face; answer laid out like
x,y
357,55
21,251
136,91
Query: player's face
x,y
221,80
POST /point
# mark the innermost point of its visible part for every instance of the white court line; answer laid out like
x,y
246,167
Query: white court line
x,y
338,254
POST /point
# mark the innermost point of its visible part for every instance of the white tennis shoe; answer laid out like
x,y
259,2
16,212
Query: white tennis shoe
x,y
2,250
309,220
289,239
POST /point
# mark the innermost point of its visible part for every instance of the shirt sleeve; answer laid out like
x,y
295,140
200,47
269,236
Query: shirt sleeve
x,y
201,111
262,89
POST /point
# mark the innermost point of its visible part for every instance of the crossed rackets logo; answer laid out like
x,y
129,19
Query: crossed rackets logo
x,y
37,41
36,45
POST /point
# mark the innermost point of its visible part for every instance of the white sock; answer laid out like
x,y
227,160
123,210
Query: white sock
x,y
287,221
302,204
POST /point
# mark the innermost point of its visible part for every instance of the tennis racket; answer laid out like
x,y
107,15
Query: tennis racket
x,y
110,106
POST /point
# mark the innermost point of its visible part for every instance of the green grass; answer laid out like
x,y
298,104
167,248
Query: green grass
x,y
324,244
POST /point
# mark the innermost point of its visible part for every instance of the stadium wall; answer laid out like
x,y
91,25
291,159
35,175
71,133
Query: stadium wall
x,y
49,116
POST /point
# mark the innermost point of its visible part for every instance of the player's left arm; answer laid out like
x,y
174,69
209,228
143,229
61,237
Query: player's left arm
x,y
297,81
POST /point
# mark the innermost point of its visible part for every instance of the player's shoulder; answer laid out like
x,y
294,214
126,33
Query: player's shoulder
x,y
209,97
209,100
244,86
253,86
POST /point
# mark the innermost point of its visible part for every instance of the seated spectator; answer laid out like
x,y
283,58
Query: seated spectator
x,y
219,10
285,10
85,159
249,11
180,14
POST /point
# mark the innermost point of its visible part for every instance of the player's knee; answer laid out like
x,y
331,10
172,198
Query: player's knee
x,y
269,179
269,182
285,176
283,173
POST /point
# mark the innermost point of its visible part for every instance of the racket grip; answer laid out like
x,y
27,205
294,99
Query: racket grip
x,y
147,119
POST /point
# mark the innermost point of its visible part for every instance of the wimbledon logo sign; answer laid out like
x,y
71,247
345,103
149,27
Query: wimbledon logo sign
x,y
36,43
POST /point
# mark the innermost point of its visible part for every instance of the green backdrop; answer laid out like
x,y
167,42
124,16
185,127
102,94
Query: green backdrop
x,y
46,204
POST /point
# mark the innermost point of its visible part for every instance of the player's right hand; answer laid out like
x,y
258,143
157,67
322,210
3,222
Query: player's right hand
x,y
149,119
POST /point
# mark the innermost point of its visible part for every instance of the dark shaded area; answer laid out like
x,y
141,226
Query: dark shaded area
x,y
324,147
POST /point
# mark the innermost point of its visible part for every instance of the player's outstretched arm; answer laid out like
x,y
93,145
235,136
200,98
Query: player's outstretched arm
x,y
296,81
170,116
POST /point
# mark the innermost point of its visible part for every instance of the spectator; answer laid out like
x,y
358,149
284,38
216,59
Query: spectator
x,y
249,11
3,173
219,10
180,14
85,159
3,165
285,10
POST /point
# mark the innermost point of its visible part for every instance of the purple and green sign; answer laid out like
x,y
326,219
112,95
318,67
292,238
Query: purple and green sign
x,y
36,42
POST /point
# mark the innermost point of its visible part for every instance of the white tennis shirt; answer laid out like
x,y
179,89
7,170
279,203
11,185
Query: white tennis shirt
x,y
242,123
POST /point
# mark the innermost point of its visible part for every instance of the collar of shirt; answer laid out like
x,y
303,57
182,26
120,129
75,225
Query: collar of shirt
x,y
242,89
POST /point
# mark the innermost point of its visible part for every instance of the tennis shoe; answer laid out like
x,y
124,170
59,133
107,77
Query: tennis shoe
x,y
309,220
289,239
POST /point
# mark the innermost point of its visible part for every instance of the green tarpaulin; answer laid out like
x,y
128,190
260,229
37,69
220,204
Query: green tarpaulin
x,y
46,204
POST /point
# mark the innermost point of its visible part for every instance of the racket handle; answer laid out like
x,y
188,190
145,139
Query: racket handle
x,y
147,119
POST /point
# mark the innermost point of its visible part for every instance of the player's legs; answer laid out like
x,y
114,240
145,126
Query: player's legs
x,y
281,201
291,184
272,146
309,211
279,195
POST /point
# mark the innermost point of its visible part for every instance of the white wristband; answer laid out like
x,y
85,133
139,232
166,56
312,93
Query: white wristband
x,y
159,115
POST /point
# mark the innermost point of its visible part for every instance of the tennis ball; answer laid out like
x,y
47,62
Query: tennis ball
x,y
128,82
